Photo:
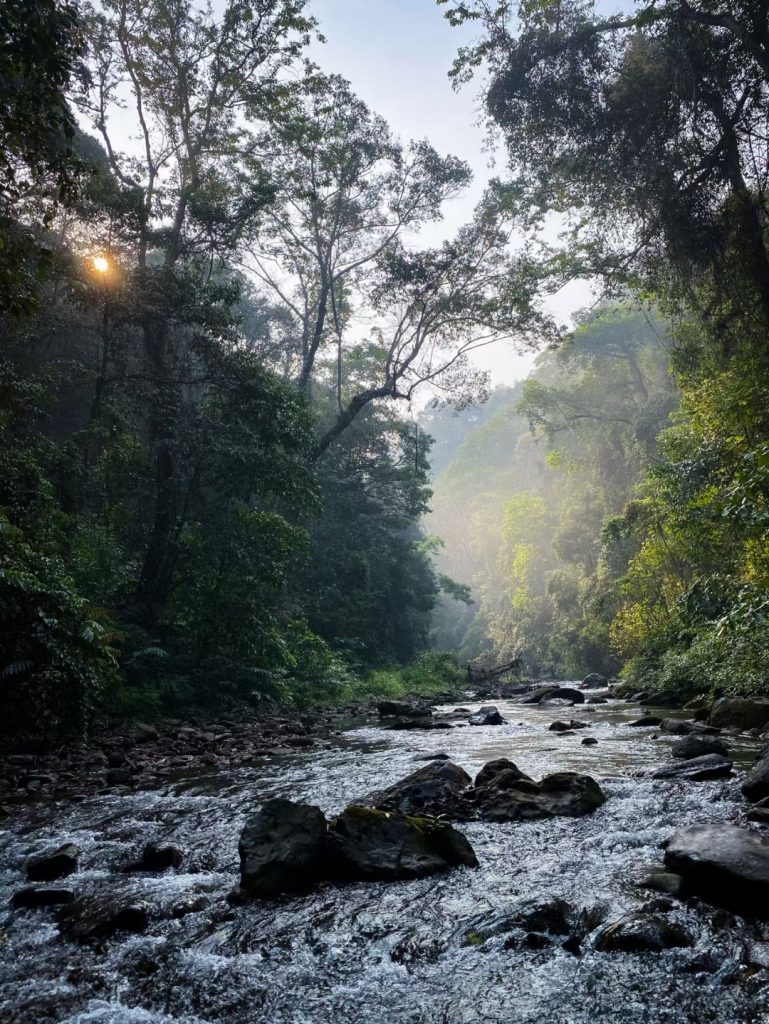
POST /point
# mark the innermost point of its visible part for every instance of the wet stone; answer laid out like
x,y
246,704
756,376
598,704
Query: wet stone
x,y
368,845
50,866
156,858
696,746
723,864
32,898
488,715
282,848
96,918
696,769
432,790
756,785
642,932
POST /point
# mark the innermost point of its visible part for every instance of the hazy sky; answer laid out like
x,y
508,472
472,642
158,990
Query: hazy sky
x,y
397,55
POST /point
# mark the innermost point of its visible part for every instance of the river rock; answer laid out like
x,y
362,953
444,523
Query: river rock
x,y
756,784
696,746
640,932
282,848
432,790
567,726
724,865
365,844
489,774
547,693
156,858
488,715
508,798
33,897
696,769
50,866
567,693
399,709
595,699
92,919
589,741
740,712
687,727
537,695
645,721
144,733
423,724
594,681
540,915
663,881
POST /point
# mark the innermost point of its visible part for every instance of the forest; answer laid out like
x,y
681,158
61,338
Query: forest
x,y
247,455
384,511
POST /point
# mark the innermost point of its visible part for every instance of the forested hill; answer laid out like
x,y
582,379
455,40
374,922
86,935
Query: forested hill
x,y
525,492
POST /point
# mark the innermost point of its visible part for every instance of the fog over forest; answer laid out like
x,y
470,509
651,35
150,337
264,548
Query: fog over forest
x,y
384,511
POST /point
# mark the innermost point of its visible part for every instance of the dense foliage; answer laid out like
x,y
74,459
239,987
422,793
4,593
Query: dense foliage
x,y
644,131
523,499
205,494
217,306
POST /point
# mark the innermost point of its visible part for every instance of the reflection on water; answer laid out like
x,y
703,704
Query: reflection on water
x,y
385,954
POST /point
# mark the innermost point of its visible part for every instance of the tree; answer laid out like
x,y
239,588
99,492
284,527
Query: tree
x,y
647,130
41,57
191,78
332,248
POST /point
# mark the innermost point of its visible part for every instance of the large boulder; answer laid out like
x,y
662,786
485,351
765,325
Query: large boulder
x,y
756,784
724,865
696,769
507,796
594,681
740,712
49,866
365,844
696,746
567,693
501,793
537,695
432,790
488,715
640,932
282,848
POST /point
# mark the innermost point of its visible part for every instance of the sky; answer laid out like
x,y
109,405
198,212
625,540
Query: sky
x,y
397,55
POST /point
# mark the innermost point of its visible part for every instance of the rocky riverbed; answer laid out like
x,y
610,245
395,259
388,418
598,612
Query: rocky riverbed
x,y
554,924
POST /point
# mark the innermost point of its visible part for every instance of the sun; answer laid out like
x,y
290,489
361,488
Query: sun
x,y
101,263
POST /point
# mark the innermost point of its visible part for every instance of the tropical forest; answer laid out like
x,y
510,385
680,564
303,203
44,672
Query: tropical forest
x,y
372,370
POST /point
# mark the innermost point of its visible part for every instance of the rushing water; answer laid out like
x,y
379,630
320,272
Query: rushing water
x,y
431,951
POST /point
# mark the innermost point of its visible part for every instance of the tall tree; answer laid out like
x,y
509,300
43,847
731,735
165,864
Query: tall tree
x,y
647,129
190,78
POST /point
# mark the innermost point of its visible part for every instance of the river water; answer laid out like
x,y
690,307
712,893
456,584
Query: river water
x,y
433,951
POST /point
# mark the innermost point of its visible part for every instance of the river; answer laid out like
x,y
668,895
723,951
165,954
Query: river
x,y
433,951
